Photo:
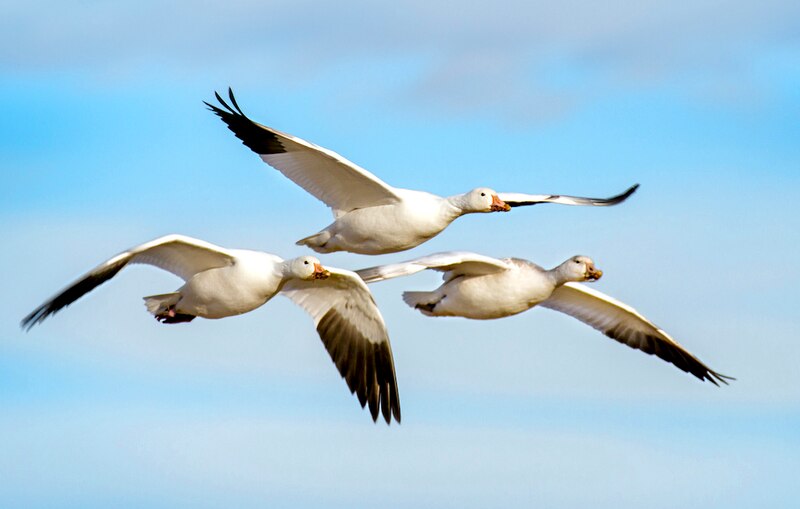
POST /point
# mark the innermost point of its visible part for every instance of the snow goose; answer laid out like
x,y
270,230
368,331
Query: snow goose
x,y
483,288
370,216
223,282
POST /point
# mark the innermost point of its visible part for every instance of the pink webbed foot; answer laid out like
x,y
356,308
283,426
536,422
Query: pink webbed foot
x,y
172,316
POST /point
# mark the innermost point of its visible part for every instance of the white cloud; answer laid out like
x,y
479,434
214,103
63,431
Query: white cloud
x,y
480,56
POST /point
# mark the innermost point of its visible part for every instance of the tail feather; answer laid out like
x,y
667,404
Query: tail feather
x,y
425,302
158,304
317,241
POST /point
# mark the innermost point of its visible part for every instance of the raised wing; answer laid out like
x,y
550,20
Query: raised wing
x,y
331,178
183,256
521,200
623,323
452,263
353,332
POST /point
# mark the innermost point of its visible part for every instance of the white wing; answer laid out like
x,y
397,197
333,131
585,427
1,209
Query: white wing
x,y
183,256
623,323
353,332
452,263
331,178
521,200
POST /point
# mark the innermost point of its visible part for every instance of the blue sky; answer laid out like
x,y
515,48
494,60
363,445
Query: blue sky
x,y
105,144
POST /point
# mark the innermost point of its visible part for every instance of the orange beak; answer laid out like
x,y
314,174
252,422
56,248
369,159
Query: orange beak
x,y
593,274
320,273
499,205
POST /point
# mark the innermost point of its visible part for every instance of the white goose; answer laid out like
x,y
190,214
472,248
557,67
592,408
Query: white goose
x,y
370,216
482,288
223,282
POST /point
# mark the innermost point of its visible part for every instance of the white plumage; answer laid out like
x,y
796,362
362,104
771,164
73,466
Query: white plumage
x,y
370,216
220,282
480,287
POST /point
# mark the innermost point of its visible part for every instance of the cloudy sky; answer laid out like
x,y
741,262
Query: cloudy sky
x,y
105,144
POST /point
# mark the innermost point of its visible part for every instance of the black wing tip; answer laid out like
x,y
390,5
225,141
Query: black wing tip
x,y
389,411
624,196
39,315
616,200
235,104
228,109
36,317
366,367
715,377
676,356
72,293
215,109
257,138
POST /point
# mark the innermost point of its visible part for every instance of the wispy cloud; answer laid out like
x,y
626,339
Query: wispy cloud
x,y
471,57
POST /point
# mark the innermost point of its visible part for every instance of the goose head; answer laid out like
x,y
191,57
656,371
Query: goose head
x,y
307,268
579,269
483,199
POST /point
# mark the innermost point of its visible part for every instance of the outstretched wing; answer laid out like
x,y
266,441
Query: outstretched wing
x,y
623,323
183,256
353,332
521,200
452,263
331,178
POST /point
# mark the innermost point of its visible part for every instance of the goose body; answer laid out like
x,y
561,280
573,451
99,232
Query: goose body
x,y
480,287
248,283
220,282
381,229
370,216
488,296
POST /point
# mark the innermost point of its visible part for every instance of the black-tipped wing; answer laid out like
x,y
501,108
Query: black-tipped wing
x,y
353,332
624,324
331,178
521,200
452,263
183,256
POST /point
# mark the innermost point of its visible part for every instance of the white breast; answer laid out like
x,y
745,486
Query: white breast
x,y
249,283
395,227
495,295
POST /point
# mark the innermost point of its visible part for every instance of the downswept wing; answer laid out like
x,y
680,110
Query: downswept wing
x,y
624,324
521,200
331,178
183,256
352,330
452,263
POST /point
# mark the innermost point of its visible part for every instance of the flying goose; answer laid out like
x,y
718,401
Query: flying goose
x,y
482,288
370,216
223,282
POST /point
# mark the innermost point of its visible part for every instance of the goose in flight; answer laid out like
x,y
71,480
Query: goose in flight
x,y
482,288
370,216
223,282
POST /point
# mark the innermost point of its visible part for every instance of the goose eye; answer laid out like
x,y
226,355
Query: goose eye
x,y
577,261
483,194
305,262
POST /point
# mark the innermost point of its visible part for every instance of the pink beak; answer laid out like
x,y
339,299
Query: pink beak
x,y
499,205
320,273
593,274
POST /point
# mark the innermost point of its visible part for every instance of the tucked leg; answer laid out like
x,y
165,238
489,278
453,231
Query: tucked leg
x,y
171,316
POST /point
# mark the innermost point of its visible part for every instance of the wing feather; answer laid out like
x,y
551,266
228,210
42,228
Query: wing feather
x,y
452,263
521,200
354,334
624,324
183,256
332,179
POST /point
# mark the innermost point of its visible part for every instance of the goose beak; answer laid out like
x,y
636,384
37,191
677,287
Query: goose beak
x,y
499,205
593,274
320,273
